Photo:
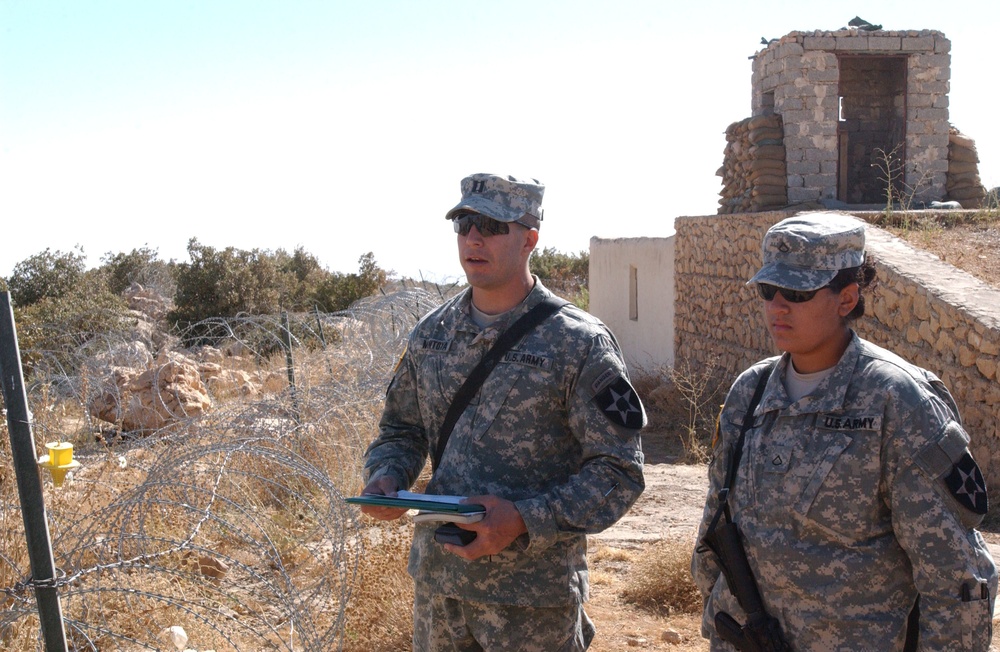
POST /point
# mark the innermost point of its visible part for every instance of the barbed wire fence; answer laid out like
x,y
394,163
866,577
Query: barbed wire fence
x,y
228,523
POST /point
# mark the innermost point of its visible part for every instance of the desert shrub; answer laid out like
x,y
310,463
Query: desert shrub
x,y
49,274
224,284
235,282
567,275
338,291
140,266
660,579
54,329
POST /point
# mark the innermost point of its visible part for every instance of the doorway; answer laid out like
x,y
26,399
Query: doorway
x,y
872,129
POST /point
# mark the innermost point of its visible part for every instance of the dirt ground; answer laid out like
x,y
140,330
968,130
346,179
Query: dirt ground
x,y
670,507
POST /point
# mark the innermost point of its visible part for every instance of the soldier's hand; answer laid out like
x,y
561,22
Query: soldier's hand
x,y
384,486
501,525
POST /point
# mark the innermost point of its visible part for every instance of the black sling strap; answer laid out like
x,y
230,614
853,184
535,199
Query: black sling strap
x,y
547,307
734,462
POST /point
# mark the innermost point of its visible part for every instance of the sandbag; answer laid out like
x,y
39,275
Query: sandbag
x,y
772,121
961,167
963,154
961,140
961,194
775,152
765,133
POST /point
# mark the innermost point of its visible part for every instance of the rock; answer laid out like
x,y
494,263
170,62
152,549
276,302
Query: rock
x,y
148,301
211,567
671,636
147,400
175,636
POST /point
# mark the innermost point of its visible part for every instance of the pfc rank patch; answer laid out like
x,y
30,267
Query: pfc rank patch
x,y
966,484
620,404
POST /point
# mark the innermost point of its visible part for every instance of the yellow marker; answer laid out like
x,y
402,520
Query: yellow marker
x,y
59,461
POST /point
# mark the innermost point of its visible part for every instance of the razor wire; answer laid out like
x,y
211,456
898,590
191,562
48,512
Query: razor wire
x,y
229,523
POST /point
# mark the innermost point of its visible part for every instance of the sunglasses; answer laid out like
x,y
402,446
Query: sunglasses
x,y
487,226
767,292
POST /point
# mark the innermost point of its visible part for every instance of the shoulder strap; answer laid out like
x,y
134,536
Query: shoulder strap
x,y
734,461
547,307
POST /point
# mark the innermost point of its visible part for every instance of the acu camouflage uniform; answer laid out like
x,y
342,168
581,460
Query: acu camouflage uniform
x,y
851,502
555,429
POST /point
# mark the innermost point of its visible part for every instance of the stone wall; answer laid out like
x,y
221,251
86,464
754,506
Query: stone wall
x,y
799,77
927,311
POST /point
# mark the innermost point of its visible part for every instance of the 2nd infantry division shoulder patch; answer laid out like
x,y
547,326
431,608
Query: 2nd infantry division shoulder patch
x,y
620,404
966,484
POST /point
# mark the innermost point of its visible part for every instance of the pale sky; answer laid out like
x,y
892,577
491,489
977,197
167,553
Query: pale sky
x,y
345,127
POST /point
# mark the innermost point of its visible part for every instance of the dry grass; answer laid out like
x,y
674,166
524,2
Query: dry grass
x,y
660,580
379,619
683,400
969,240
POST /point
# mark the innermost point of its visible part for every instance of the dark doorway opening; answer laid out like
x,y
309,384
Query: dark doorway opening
x,y
872,129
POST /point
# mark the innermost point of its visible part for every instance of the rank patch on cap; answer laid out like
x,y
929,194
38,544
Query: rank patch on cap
x,y
620,404
967,485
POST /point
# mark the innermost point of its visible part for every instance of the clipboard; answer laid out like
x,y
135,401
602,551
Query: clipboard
x,y
424,502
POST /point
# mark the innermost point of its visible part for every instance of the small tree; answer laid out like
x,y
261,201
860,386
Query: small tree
x,y
224,284
49,274
339,291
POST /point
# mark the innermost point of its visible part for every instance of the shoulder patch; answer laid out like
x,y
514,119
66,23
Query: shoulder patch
x,y
620,404
967,486
399,362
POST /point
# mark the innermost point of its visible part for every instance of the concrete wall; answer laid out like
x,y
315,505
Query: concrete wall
x,y
633,277
928,312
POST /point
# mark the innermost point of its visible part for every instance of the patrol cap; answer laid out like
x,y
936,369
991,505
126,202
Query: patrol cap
x,y
806,251
504,198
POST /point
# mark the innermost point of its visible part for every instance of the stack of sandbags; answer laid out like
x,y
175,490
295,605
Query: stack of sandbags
x,y
735,194
767,163
963,183
753,169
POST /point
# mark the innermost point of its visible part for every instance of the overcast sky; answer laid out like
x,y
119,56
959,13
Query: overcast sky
x,y
345,127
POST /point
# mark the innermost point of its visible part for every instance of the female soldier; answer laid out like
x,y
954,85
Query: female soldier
x,y
855,495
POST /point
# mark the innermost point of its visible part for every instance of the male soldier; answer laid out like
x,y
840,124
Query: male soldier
x,y
549,444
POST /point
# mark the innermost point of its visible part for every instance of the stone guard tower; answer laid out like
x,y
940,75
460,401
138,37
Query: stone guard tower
x,y
840,116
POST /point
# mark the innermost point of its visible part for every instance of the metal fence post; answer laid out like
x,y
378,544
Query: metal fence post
x,y
286,342
29,484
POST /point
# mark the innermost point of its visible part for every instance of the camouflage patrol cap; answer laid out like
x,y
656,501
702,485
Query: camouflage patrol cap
x,y
806,251
504,198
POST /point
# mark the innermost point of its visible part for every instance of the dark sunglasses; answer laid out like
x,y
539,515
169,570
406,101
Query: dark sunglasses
x,y
487,226
767,292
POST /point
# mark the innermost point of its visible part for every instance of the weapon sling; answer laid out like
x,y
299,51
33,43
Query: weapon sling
x,y
548,306
761,631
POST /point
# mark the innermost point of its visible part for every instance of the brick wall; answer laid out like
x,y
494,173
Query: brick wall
x,y
927,311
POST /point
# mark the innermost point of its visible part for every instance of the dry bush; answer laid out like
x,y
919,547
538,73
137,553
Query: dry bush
x,y
660,580
685,400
